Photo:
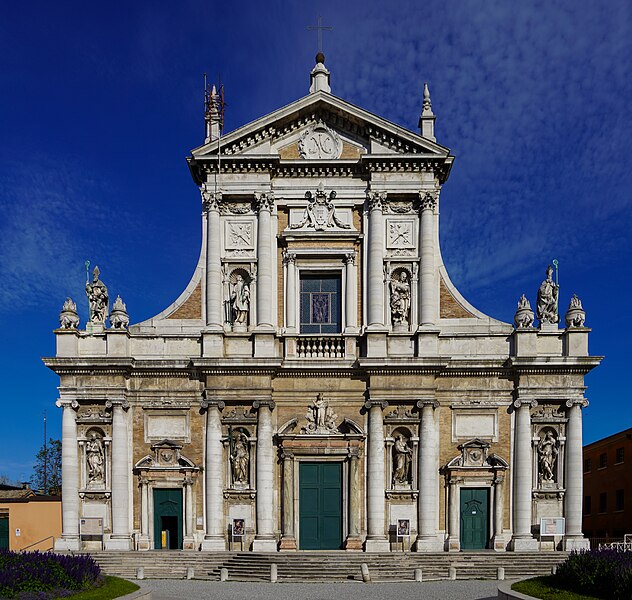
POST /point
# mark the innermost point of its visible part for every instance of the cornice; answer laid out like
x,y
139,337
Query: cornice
x,y
558,365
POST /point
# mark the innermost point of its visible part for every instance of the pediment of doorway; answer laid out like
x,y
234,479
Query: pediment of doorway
x,y
475,455
167,455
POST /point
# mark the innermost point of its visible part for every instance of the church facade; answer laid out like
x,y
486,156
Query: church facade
x,y
321,383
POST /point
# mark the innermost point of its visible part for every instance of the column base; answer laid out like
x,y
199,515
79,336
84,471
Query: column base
x,y
576,543
264,545
288,543
188,543
429,544
454,544
213,544
118,543
353,544
527,544
379,545
67,544
265,345
213,343
144,543
499,543
376,345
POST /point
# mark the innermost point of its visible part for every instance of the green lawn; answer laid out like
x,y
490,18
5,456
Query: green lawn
x,y
113,588
541,587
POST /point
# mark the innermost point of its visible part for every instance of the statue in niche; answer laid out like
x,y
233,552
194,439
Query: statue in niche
x,y
547,455
402,455
98,298
68,318
400,300
320,417
240,301
546,309
95,460
240,458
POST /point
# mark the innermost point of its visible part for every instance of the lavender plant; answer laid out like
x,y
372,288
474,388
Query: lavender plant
x,y
42,576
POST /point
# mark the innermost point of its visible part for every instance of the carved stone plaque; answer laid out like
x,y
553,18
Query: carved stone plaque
x,y
239,235
400,234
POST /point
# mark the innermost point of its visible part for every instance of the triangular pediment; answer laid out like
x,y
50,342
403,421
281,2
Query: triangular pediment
x,y
320,127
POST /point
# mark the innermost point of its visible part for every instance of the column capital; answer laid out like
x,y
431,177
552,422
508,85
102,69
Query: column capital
x,y
427,201
528,402
117,402
287,455
67,403
376,200
265,201
210,198
260,402
350,258
428,402
581,402
207,403
289,257
375,402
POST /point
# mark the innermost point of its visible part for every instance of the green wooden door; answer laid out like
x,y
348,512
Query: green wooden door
x,y
4,533
320,505
474,518
168,517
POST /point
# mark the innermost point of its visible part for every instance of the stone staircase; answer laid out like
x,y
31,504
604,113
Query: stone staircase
x,y
326,566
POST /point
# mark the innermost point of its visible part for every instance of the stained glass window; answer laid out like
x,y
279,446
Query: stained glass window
x,y
321,303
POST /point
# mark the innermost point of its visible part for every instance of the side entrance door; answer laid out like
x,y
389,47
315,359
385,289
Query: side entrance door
x,y
4,532
320,505
474,518
168,519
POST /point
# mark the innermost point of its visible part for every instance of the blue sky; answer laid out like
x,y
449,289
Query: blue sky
x,y
101,102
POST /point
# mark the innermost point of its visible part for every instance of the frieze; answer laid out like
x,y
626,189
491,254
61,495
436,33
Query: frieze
x,y
237,208
401,413
239,415
103,495
240,494
166,403
549,413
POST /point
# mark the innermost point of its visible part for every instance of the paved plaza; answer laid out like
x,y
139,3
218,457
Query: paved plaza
x,y
169,589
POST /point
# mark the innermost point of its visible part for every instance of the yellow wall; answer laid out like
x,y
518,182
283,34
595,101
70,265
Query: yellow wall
x,y
35,520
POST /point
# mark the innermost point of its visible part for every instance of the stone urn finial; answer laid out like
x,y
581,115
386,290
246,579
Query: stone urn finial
x,y
575,315
68,317
524,315
119,317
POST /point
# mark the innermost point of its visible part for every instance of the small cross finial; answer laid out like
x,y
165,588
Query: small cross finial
x,y
319,28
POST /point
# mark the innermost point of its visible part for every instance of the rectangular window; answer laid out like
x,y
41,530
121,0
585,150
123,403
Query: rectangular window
x,y
587,465
620,455
619,500
587,505
603,502
603,460
321,303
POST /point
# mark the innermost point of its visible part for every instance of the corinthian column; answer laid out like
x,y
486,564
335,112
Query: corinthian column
x,y
214,477
288,541
376,259
427,290
264,539
428,480
120,538
264,261
69,477
522,478
210,204
376,480
573,477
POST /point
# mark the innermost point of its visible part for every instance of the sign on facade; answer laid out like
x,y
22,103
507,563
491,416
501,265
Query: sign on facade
x,y
552,526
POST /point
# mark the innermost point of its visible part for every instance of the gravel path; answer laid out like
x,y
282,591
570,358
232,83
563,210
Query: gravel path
x,y
174,589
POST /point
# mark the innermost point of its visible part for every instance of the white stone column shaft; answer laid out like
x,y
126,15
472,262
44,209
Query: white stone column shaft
x,y
522,477
428,478
427,291
69,477
144,509
214,316
214,477
264,261
376,260
351,296
454,531
264,539
188,522
120,538
574,475
354,496
376,479
499,509
290,291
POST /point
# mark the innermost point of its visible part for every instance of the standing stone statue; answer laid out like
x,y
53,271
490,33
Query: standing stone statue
x,y
546,309
240,299
402,456
98,298
240,459
94,458
547,454
68,317
400,300
320,417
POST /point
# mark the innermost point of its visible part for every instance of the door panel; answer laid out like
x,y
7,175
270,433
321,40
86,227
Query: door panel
x,y
168,517
474,518
4,533
320,505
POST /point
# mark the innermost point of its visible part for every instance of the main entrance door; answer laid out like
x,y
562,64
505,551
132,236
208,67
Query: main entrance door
x,y
168,519
320,505
474,518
